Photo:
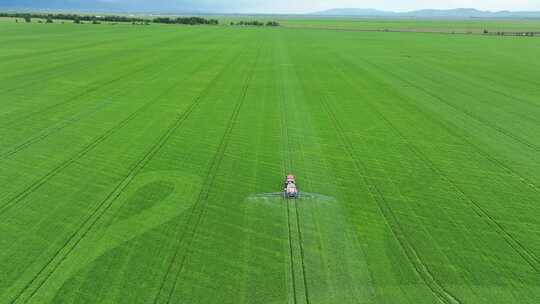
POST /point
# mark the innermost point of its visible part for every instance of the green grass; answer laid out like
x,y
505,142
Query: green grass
x,y
131,159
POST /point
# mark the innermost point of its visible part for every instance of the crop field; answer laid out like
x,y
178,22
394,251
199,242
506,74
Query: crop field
x,y
411,24
135,162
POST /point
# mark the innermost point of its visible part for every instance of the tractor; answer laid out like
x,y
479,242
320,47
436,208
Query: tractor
x,y
290,189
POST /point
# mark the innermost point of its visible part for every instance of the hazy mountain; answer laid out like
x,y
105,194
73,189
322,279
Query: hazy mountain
x,y
428,13
458,12
114,5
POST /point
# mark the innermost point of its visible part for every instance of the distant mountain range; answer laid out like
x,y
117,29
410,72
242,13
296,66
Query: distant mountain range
x,y
188,6
428,13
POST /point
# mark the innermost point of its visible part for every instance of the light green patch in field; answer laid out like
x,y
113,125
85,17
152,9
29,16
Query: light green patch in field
x,y
153,200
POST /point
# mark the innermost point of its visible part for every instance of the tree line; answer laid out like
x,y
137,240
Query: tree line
x,y
110,18
186,20
256,23
529,34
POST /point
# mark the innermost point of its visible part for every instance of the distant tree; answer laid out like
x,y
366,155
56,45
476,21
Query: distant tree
x,y
486,31
49,20
81,19
95,22
272,23
254,23
165,20
16,20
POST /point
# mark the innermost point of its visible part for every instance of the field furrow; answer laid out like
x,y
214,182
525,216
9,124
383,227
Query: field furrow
x,y
177,263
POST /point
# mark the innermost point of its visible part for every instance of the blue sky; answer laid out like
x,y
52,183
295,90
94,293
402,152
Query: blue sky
x,y
281,6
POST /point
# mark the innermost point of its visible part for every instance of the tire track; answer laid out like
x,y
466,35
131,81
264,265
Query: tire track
x,y
302,255
451,130
287,165
508,78
393,223
90,88
78,117
496,106
199,207
469,114
36,185
95,216
291,252
97,85
528,256
26,56
44,135
305,86
61,255
474,80
9,59
51,71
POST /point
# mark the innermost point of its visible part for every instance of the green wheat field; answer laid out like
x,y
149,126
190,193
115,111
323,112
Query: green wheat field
x,y
134,163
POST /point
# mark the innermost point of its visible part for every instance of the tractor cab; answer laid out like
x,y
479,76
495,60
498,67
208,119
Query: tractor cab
x,y
290,190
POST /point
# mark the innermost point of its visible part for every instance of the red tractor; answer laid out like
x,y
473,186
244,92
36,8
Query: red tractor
x,y
290,190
